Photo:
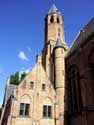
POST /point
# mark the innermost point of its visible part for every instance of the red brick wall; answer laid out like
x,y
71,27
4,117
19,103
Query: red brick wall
x,y
80,58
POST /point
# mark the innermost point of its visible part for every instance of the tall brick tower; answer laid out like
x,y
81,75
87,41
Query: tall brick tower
x,y
53,57
54,29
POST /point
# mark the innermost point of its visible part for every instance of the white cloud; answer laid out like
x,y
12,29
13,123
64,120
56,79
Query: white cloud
x,y
29,49
23,56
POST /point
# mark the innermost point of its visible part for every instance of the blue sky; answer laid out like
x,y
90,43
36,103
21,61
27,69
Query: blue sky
x,y
22,30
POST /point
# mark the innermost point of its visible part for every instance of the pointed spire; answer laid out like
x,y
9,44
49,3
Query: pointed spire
x,y
53,9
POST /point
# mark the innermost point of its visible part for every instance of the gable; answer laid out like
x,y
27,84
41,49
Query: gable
x,y
38,76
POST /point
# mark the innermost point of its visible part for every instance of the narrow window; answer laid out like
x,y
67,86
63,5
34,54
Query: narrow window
x,y
44,111
75,89
27,110
58,31
21,108
24,109
58,20
47,111
43,86
79,92
91,64
31,85
91,77
52,19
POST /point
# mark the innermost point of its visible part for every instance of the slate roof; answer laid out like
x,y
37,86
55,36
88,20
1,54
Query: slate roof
x,y
81,37
53,9
58,43
9,91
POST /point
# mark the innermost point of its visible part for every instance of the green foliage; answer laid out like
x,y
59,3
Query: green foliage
x,y
15,79
11,79
23,75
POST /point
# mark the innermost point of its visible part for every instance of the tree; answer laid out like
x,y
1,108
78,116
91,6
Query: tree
x,y
23,75
11,79
14,79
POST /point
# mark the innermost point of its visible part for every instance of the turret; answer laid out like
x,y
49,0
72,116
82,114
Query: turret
x,y
59,52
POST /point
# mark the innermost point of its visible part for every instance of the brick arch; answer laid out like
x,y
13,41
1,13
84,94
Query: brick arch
x,y
25,98
48,107
73,76
48,101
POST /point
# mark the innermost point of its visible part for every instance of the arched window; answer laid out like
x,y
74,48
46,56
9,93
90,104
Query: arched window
x,y
91,76
52,19
58,21
24,108
91,63
75,89
47,108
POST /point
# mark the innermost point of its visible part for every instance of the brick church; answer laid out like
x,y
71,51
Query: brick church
x,y
59,90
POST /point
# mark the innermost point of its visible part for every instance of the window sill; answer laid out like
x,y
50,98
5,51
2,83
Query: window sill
x,y
22,116
47,118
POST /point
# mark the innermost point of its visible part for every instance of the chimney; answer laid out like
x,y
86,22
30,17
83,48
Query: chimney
x,y
39,59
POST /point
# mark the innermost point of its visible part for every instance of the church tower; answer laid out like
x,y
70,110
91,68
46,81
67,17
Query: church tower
x,y
53,57
54,25
54,29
